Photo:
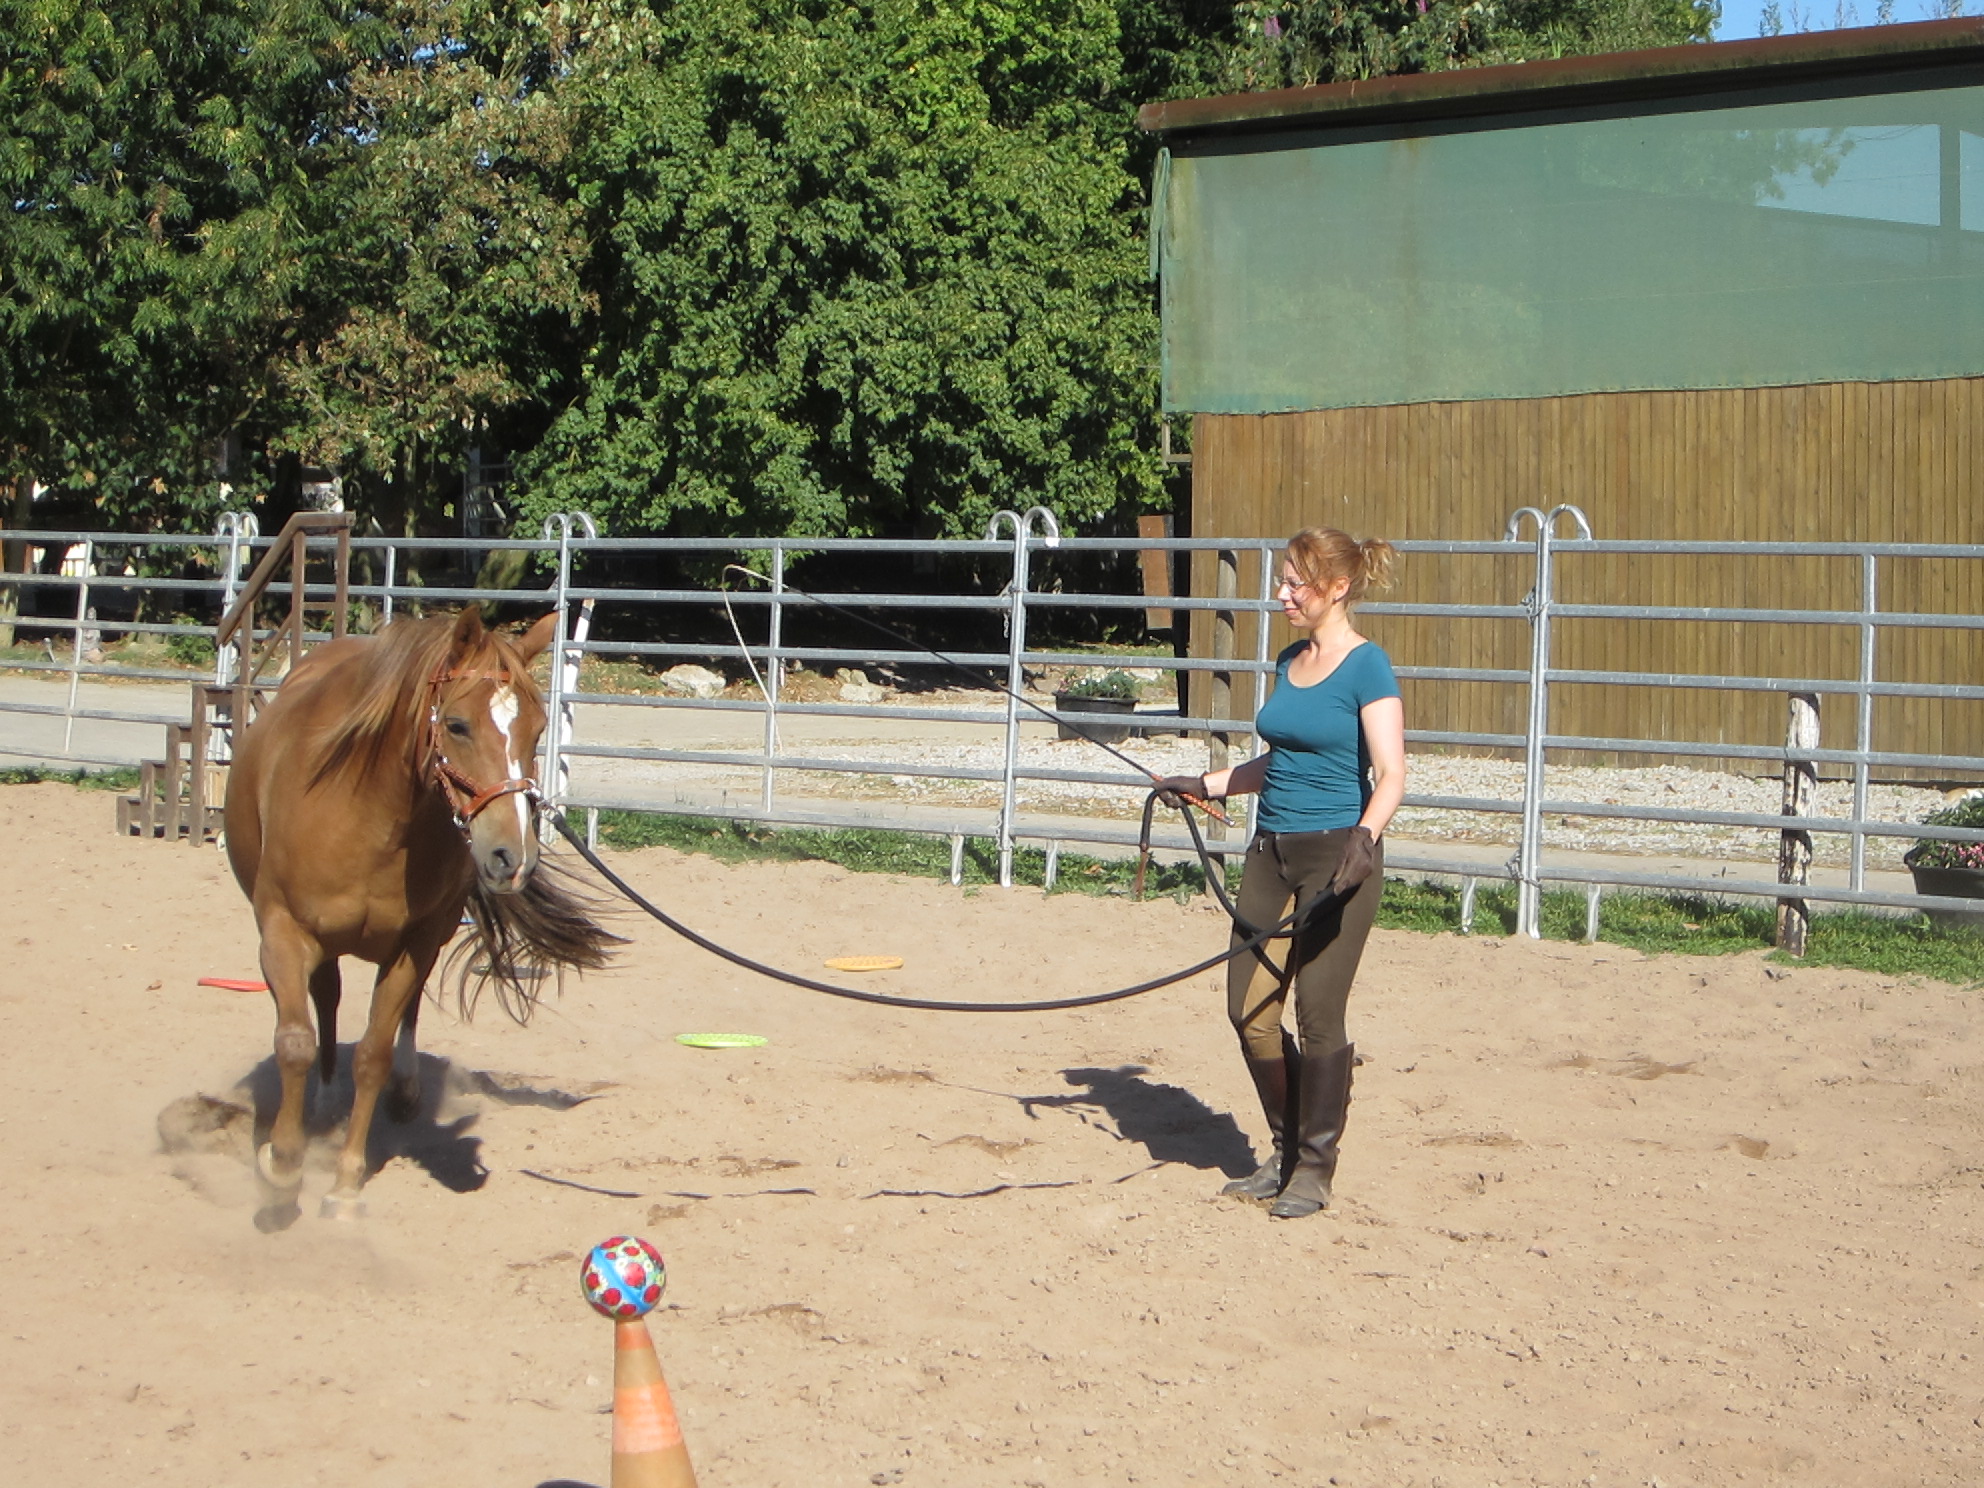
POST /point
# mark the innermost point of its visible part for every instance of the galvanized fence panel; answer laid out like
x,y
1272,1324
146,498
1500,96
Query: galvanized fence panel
x,y
766,604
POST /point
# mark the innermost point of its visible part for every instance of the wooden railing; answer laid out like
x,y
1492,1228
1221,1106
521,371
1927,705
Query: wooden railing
x,y
237,627
172,793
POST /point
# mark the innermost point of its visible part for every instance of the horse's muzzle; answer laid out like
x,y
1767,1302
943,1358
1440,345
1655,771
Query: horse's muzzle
x,y
505,870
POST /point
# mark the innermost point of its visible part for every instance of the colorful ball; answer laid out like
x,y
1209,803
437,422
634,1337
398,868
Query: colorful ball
x,y
622,1278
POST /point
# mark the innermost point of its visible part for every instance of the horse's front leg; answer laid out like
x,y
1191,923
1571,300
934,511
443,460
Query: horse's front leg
x,y
399,984
291,959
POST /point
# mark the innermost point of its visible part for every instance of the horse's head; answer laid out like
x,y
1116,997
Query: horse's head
x,y
484,721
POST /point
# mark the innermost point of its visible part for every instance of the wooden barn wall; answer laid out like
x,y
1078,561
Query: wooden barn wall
x,y
1840,462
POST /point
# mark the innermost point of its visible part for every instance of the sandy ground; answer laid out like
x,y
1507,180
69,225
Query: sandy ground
x,y
1602,1219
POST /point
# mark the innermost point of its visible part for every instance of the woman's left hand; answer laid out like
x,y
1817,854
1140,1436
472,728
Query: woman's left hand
x,y
1359,861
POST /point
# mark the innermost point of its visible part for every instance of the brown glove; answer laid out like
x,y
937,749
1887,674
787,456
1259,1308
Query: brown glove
x,y
1359,861
1173,790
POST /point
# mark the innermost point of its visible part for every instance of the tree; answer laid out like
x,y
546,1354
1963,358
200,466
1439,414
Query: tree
x,y
338,233
445,245
146,147
1285,43
861,269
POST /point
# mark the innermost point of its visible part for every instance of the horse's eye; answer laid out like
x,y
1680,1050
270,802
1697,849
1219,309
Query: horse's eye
x,y
458,728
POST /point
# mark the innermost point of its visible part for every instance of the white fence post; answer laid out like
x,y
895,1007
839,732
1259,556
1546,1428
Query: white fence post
x,y
76,648
774,674
1015,673
1529,854
565,658
1863,727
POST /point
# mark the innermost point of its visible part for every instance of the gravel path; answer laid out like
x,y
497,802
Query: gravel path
x,y
1666,787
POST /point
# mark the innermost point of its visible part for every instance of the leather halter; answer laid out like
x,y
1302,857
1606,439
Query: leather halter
x,y
465,798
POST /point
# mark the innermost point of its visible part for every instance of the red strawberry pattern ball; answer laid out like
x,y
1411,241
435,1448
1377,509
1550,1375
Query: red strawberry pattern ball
x,y
622,1278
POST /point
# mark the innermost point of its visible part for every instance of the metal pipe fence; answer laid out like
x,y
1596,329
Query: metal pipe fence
x,y
774,628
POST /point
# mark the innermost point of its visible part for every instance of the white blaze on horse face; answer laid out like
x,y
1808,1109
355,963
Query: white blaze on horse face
x,y
503,709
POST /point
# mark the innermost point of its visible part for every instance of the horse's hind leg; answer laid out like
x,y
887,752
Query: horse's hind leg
x,y
290,961
326,990
371,1063
403,1090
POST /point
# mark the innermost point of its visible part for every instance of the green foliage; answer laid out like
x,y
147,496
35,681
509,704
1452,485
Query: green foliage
x,y
324,227
1115,685
876,851
1692,925
447,248
190,650
1931,852
121,779
864,268
1281,44
148,149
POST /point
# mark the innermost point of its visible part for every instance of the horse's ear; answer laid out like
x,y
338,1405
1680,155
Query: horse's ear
x,y
538,636
467,636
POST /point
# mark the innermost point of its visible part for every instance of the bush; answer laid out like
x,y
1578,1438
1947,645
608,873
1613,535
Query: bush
x,y
190,650
1933,853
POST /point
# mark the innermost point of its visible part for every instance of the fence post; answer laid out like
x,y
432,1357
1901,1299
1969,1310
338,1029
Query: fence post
x,y
552,777
299,558
76,649
1794,848
236,529
1863,724
1015,673
774,673
1529,854
1015,680
1219,742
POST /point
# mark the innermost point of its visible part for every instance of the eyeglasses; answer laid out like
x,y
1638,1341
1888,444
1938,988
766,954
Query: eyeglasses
x,y
1293,586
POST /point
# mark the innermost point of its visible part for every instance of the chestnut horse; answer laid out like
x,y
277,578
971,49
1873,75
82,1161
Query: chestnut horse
x,y
384,789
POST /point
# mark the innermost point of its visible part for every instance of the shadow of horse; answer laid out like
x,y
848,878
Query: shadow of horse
x,y
436,1138
1169,1122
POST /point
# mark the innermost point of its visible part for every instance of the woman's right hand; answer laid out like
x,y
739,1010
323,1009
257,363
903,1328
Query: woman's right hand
x,y
1175,790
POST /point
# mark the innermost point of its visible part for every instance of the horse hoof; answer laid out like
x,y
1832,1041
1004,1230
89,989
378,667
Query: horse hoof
x,y
345,1207
265,1164
273,1217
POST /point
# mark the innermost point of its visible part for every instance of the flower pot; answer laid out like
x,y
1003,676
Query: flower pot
x,y
1107,733
1952,883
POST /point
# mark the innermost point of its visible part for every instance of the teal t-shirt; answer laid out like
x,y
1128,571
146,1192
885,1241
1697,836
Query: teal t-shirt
x,y
1319,767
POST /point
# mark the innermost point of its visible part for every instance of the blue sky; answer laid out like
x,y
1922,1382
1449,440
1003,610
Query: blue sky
x,y
1740,18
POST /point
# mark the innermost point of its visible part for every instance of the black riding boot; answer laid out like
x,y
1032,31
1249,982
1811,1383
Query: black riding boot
x,y
1277,1095
1324,1103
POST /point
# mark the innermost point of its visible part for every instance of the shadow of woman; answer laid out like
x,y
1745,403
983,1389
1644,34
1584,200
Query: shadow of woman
x,y
442,1148
1170,1123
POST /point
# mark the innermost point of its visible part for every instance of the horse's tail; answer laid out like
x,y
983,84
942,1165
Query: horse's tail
x,y
546,928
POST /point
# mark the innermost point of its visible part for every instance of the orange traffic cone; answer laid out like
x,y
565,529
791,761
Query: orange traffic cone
x,y
622,1278
648,1451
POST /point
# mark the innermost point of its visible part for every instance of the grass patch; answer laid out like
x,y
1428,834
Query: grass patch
x,y
1694,925
1655,924
864,850
123,778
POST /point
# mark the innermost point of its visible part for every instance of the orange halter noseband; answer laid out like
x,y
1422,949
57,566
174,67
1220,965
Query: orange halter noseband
x,y
465,798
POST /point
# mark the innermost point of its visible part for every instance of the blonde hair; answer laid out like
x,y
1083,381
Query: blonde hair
x,y
1322,555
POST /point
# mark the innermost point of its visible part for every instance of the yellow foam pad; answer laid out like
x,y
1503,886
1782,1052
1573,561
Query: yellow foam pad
x,y
864,963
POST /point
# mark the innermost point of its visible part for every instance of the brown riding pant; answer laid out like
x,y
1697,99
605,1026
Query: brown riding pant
x,y
1321,959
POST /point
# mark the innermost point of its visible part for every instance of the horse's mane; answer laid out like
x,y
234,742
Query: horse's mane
x,y
391,692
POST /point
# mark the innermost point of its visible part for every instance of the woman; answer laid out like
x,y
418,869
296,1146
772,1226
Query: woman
x,y
1331,778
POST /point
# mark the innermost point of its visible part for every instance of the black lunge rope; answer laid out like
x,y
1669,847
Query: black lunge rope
x,y
1254,944
930,1005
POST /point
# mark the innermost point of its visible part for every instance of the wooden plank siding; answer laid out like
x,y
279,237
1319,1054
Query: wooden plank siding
x,y
1834,462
